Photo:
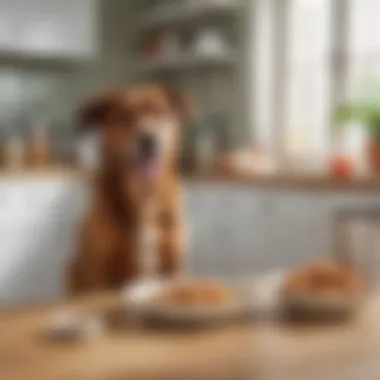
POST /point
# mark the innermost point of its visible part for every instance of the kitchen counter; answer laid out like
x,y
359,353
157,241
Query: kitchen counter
x,y
293,182
51,173
249,350
275,181
268,222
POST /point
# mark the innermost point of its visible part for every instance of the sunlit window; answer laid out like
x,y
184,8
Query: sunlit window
x,y
332,53
308,71
262,62
363,59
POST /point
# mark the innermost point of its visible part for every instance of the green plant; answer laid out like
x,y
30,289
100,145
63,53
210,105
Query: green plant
x,y
366,110
368,115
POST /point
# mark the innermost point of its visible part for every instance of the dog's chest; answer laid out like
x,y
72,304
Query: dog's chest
x,y
147,247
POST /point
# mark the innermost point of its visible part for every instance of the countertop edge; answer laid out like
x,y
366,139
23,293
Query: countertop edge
x,y
292,182
274,181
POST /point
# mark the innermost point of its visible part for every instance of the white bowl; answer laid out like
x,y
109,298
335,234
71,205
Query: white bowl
x,y
324,305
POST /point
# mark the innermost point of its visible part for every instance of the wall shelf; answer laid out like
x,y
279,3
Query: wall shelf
x,y
213,82
186,62
189,14
17,57
45,30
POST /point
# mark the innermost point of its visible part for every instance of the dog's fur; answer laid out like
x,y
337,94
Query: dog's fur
x,y
135,224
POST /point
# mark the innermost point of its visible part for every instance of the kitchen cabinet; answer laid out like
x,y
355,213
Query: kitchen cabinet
x,y
241,230
234,229
298,229
225,228
48,28
38,224
238,229
6,27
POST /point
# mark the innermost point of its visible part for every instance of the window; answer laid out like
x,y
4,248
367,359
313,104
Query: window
x,y
308,69
263,67
330,49
363,44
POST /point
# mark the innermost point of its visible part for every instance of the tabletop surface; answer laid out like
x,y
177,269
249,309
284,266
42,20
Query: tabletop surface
x,y
244,350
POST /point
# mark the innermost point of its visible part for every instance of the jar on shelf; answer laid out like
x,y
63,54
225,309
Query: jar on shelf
x,y
203,142
210,42
38,144
88,158
170,44
14,150
3,141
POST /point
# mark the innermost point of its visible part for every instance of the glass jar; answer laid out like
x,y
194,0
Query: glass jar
x,y
38,147
14,150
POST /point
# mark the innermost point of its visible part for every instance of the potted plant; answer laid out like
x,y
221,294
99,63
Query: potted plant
x,y
368,114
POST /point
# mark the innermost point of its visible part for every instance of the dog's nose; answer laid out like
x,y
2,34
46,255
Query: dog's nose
x,y
148,144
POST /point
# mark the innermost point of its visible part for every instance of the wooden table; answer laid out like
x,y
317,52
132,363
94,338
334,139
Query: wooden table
x,y
249,350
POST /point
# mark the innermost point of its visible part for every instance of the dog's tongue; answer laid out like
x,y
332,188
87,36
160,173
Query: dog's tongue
x,y
149,169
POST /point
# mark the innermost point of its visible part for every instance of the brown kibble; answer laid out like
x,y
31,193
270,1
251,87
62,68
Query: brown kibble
x,y
324,277
200,294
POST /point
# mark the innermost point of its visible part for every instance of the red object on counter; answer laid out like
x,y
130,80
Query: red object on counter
x,y
373,156
151,48
225,164
342,167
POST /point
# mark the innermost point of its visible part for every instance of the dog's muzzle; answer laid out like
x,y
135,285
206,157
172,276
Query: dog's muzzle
x,y
148,145
148,155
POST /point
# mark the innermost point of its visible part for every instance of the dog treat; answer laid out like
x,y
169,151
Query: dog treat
x,y
323,278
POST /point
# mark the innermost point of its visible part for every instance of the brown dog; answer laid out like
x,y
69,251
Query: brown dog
x,y
135,225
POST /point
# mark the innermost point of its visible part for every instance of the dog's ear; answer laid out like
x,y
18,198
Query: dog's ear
x,y
179,102
98,110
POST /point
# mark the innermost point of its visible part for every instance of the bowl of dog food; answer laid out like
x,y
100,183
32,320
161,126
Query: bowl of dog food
x,y
324,290
188,301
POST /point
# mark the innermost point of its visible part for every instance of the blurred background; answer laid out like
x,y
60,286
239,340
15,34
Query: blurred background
x,y
287,133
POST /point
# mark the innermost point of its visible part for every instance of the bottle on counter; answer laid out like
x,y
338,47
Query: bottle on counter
x,y
38,144
88,158
206,145
205,152
14,150
3,141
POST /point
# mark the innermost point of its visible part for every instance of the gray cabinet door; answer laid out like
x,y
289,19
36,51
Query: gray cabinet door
x,y
49,28
299,228
238,230
227,233
38,225
6,25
